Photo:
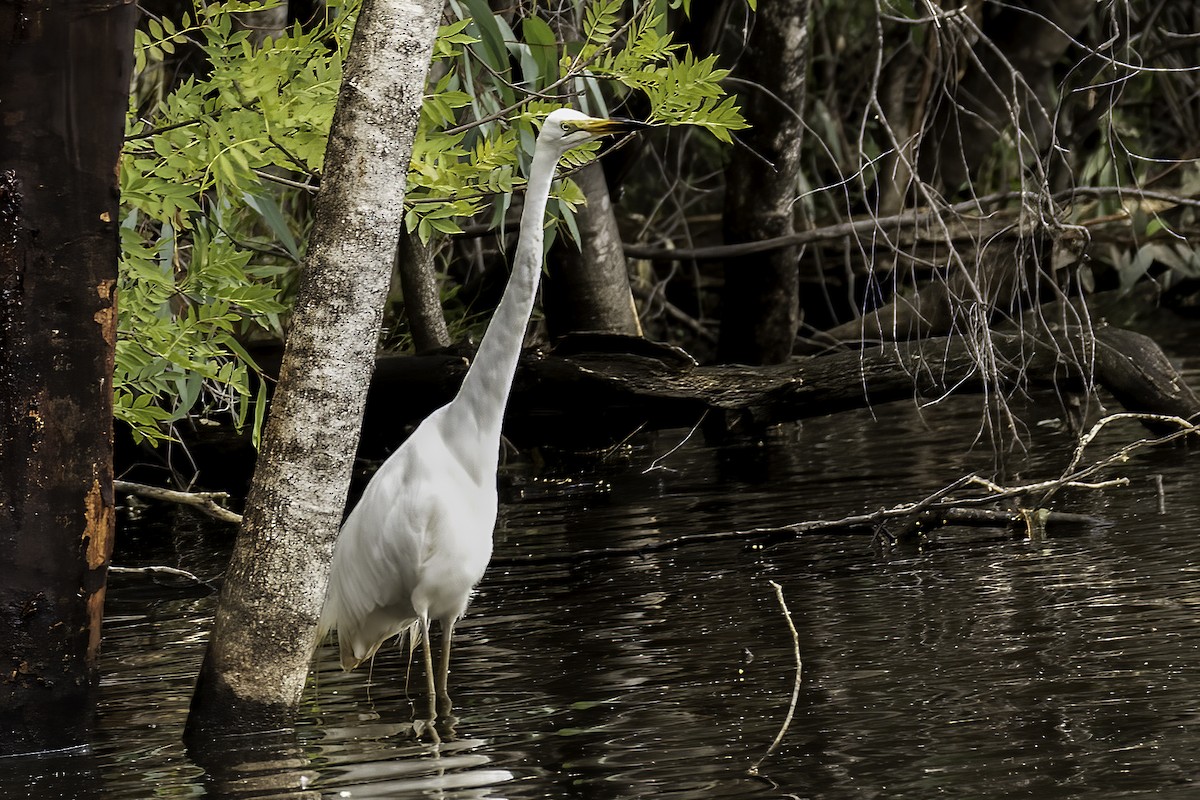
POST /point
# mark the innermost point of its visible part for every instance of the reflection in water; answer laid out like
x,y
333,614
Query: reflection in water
x,y
974,666
258,765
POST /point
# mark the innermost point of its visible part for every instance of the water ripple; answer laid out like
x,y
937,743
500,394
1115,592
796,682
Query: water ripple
x,y
981,668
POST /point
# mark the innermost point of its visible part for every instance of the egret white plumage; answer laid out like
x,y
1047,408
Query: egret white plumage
x,y
420,538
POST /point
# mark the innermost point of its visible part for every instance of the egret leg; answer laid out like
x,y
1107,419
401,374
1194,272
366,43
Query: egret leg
x,y
429,669
444,673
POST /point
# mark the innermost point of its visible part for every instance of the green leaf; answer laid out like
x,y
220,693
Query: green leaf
x,y
269,210
494,48
543,46
1155,225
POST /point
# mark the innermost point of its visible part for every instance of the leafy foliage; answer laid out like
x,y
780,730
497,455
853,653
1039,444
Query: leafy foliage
x,y
458,169
207,241
219,166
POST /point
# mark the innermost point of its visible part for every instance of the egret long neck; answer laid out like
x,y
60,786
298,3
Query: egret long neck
x,y
479,406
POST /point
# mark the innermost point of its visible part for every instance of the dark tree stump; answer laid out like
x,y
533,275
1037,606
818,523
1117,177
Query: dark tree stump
x,y
63,100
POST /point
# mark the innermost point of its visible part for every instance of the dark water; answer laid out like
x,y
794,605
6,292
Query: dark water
x,y
978,666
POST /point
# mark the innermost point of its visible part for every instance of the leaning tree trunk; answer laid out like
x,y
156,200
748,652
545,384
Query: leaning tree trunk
x,y
422,297
63,97
1010,80
263,637
760,302
587,287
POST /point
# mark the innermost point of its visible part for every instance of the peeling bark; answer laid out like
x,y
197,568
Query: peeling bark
x,y
59,150
264,633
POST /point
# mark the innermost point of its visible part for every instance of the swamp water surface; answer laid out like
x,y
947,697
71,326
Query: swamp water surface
x,y
978,666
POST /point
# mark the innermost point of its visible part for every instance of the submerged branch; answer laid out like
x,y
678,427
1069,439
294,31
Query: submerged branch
x,y
941,509
787,720
155,571
910,521
202,501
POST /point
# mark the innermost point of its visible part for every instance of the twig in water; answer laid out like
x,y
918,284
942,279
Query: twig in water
x,y
172,571
203,501
657,462
620,444
787,721
1073,473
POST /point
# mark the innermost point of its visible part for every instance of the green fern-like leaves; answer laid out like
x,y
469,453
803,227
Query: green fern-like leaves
x,y
689,92
207,241
219,168
618,54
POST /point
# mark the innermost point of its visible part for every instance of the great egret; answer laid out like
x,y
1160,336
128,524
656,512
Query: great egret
x,y
420,538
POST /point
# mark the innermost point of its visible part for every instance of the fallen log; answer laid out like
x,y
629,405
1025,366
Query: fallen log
x,y
596,391
593,398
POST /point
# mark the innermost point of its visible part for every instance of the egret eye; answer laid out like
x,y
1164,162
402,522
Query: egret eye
x,y
566,128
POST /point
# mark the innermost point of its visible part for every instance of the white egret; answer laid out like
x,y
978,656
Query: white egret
x,y
420,538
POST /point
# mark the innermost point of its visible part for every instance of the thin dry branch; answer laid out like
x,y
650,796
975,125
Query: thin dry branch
x,y
787,720
875,224
945,507
202,501
1072,475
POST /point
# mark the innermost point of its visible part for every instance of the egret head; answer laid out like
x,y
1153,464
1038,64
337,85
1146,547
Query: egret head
x,y
566,128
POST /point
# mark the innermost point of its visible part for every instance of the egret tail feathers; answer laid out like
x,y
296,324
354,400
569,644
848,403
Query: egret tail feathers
x,y
358,645
350,659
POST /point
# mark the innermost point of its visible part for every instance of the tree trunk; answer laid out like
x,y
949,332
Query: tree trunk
x,y
263,637
263,24
422,299
63,98
587,287
760,312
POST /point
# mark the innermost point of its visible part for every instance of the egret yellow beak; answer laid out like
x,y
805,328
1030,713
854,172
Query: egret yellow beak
x,y
606,127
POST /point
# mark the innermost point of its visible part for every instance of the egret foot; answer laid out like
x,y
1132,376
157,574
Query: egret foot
x,y
423,729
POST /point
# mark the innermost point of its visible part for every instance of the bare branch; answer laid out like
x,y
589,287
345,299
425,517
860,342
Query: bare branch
x,y
872,224
202,501
152,571
787,720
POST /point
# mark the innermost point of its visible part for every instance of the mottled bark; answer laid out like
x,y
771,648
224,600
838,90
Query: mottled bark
x,y
587,287
760,303
63,97
263,637
422,298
